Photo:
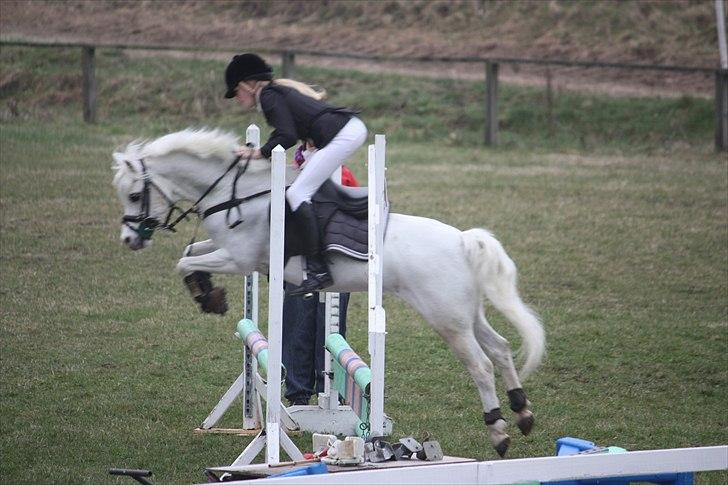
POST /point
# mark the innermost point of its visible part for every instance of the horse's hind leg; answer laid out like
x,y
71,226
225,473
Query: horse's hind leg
x,y
499,350
480,368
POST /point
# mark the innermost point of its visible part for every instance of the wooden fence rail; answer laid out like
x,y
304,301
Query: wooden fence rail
x,y
288,62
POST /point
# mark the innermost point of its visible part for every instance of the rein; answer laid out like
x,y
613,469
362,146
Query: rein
x,y
229,204
195,208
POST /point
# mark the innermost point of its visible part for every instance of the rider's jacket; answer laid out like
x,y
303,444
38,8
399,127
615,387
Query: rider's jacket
x,y
295,116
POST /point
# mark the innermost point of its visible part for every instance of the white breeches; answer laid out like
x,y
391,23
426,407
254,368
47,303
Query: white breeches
x,y
322,163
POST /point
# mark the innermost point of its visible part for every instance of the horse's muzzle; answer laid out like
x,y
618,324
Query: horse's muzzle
x,y
132,241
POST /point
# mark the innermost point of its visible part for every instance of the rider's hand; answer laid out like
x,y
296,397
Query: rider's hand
x,y
245,152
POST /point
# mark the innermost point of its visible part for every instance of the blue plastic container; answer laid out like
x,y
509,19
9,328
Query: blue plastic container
x,y
317,469
572,446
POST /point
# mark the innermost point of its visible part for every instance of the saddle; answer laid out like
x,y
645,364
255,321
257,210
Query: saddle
x,y
342,214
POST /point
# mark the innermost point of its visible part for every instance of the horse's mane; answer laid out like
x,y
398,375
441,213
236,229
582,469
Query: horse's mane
x,y
204,143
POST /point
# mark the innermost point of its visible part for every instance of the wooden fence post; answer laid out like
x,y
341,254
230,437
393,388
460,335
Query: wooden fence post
x,y
491,103
89,84
550,101
721,110
288,66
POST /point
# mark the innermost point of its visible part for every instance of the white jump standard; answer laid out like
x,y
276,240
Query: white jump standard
x,y
273,436
362,414
328,416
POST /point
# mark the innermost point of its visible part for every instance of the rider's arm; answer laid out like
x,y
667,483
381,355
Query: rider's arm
x,y
279,116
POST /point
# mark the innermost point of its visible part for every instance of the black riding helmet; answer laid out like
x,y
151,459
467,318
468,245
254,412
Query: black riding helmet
x,y
246,67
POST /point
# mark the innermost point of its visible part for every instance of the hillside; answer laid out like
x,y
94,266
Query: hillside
x,y
667,32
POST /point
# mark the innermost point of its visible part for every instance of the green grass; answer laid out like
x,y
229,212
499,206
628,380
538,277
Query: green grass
x,y
105,360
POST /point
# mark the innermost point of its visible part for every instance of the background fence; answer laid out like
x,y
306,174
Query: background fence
x,y
491,72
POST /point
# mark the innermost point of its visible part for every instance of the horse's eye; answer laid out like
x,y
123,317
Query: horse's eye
x,y
135,197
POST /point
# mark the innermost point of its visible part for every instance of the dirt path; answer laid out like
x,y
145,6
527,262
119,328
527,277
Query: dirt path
x,y
435,28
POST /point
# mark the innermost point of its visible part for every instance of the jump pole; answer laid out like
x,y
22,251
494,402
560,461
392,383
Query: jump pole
x,y
586,468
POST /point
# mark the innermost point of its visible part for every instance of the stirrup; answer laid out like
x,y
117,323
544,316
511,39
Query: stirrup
x,y
313,283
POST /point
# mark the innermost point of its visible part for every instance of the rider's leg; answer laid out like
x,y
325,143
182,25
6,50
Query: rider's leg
x,y
318,168
299,347
317,271
322,163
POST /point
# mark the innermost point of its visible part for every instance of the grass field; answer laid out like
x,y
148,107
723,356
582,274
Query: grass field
x,y
620,237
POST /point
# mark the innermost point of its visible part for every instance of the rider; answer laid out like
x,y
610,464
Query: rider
x,y
296,112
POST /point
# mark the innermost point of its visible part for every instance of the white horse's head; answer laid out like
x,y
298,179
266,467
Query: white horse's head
x,y
148,198
143,205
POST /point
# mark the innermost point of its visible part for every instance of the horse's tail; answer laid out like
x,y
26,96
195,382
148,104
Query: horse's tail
x,y
496,276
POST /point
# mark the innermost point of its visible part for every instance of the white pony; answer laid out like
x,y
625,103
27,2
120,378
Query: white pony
x,y
444,273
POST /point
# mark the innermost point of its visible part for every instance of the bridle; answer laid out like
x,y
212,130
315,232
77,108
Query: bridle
x,y
147,224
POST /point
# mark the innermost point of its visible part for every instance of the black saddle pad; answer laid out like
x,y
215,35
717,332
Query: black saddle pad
x,y
342,219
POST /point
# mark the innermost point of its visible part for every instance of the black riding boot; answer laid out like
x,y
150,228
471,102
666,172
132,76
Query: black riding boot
x,y
317,271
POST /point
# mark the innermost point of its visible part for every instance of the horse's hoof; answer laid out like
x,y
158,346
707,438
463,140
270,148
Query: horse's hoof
x,y
215,301
502,447
498,436
525,421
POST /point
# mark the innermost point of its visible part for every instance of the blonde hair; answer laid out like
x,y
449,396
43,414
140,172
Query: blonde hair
x,y
303,88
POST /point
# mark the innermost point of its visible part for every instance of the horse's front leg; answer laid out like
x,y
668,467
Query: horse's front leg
x,y
200,248
217,261
196,272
